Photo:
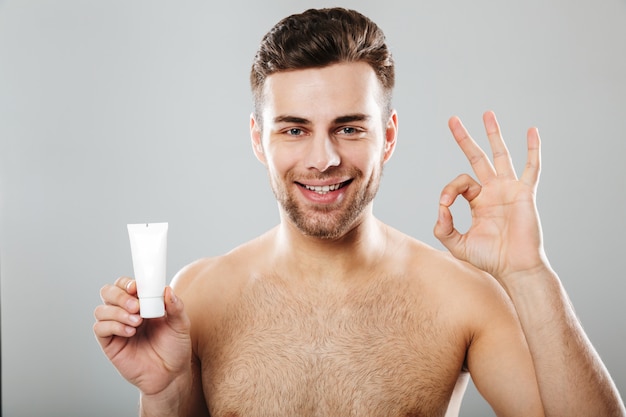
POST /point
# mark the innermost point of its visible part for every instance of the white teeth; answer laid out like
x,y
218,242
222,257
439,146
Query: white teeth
x,y
323,189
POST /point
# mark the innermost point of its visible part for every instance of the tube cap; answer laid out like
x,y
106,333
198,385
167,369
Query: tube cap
x,y
152,307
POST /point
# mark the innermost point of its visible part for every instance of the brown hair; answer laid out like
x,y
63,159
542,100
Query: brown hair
x,y
317,38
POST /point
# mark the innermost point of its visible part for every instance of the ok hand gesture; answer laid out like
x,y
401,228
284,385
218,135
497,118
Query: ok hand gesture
x,y
505,236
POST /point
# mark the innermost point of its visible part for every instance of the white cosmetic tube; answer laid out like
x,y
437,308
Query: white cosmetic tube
x,y
148,245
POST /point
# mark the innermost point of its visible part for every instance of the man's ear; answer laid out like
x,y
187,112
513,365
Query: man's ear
x,y
256,138
391,135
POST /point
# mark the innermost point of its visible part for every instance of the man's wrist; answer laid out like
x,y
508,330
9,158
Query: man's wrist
x,y
167,402
536,291
521,280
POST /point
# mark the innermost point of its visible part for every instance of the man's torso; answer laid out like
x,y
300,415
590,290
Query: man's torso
x,y
391,345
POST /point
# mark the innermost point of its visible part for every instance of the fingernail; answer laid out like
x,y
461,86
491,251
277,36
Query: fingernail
x,y
445,199
134,318
132,304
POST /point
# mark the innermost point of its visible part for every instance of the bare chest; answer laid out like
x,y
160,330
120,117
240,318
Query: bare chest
x,y
381,351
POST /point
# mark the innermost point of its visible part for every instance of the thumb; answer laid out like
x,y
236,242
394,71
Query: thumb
x,y
176,316
446,233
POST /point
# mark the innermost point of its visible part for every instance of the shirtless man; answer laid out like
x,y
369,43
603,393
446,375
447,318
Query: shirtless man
x,y
332,312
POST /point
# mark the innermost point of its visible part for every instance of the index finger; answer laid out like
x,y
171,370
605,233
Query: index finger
x,y
475,155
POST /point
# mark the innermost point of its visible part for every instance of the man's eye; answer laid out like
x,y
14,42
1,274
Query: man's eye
x,y
349,131
294,131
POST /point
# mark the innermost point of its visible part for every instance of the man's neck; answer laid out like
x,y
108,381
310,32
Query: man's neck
x,y
363,244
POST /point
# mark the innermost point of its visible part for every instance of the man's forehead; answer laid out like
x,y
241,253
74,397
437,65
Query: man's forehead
x,y
335,91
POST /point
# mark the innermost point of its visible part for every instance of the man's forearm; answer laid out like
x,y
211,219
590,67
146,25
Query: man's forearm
x,y
571,376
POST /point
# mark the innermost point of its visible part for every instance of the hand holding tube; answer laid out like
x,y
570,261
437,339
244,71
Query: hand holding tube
x,y
151,354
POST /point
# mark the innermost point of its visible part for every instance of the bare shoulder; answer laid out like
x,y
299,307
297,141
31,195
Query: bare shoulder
x,y
465,288
203,273
207,285
414,254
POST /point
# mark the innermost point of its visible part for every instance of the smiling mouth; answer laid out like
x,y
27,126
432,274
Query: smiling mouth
x,y
325,189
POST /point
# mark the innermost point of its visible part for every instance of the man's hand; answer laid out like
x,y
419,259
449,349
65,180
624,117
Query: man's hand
x,y
505,236
151,354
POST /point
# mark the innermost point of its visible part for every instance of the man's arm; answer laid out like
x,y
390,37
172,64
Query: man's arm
x,y
505,240
571,368
497,357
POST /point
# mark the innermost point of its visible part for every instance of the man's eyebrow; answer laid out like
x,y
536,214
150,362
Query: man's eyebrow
x,y
291,119
357,117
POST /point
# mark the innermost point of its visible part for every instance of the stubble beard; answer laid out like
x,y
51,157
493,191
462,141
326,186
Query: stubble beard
x,y
328,222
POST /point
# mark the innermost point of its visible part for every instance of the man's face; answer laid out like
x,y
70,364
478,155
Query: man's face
x,y
324,144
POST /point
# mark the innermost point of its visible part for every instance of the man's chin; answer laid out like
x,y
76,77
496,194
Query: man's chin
x,y
319,232
324,227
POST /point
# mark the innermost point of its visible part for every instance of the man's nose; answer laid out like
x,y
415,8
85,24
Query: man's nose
x,y
322,153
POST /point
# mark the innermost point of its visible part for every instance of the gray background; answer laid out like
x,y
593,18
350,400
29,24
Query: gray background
x,y
114,112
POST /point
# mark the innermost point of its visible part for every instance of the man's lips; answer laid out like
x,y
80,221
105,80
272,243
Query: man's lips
x,y
324,189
